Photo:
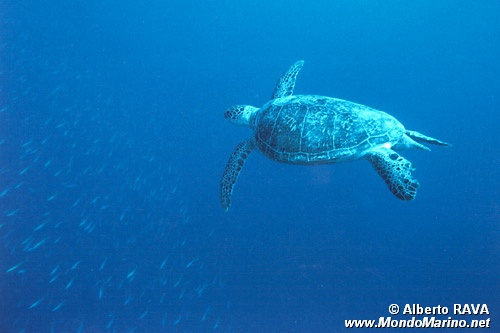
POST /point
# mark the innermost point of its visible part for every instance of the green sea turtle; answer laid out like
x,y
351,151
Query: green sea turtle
x,y
310,129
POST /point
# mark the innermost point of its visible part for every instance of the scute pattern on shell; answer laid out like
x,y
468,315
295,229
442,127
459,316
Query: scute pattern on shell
x,y
305,129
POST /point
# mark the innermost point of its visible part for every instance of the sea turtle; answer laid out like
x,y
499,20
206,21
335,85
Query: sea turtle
x,y
311,129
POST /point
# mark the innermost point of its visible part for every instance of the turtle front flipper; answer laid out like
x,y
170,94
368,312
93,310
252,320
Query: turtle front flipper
x,y
396,172
232,171
286,83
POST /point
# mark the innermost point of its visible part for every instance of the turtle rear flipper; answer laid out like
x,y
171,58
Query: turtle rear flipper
x,y
232,171
419,137
396,172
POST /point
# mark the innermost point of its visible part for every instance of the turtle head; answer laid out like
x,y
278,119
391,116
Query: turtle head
x,y
241,114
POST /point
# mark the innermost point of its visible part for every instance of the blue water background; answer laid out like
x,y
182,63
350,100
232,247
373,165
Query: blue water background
x,y
112,143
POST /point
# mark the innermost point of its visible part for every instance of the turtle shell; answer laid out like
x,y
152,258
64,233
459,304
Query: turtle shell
x,y
316,129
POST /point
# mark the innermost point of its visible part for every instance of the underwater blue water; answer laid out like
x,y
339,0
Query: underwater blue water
x,y
113,141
